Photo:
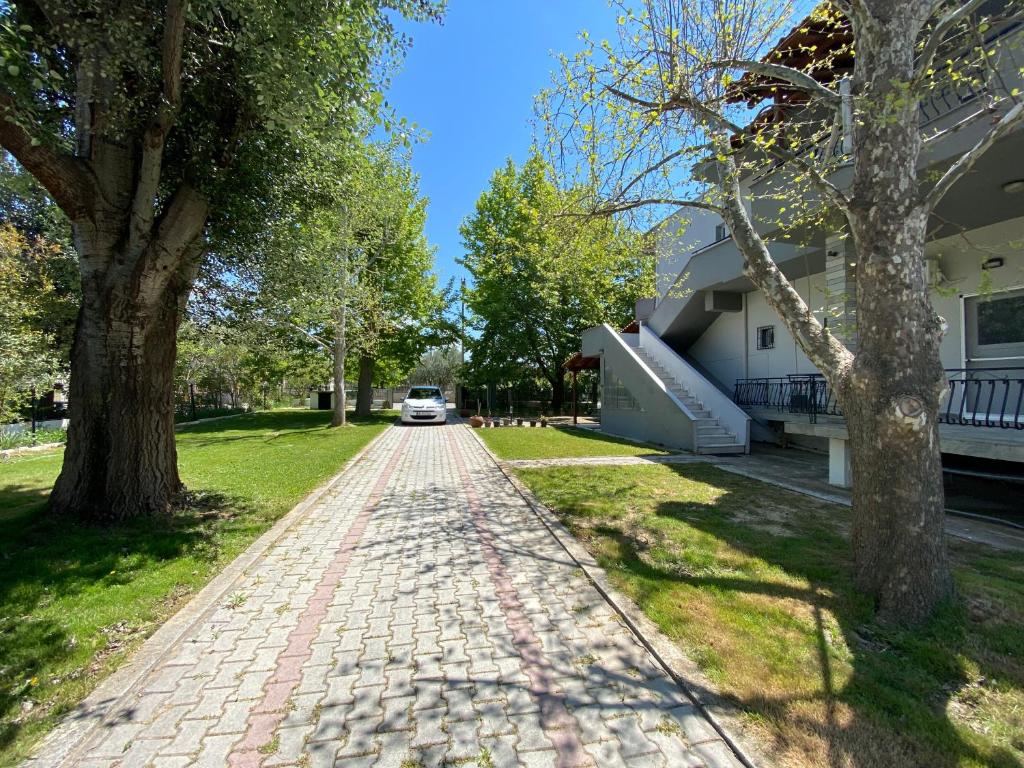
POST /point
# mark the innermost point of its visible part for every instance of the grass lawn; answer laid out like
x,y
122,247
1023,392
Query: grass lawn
x,y
75,600
558,443
754,583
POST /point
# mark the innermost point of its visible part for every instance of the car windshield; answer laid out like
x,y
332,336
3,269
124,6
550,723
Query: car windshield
x,y
424,393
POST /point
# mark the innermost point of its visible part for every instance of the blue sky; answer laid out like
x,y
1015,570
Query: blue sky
x,y
470,82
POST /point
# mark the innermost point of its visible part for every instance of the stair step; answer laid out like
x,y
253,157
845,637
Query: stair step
x,y
729,448
716,430
712,436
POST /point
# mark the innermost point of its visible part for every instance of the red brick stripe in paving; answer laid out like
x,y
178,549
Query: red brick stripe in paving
x,y
267,715
558,723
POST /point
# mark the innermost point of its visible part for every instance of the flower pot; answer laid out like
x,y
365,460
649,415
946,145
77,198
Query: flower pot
x,y
476,422
519,422
533,422
543,422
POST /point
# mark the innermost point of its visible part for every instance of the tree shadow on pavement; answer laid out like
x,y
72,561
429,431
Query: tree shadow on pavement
x,y
767,607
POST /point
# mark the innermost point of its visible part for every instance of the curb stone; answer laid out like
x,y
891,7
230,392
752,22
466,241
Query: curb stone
x,y
722,714
63,745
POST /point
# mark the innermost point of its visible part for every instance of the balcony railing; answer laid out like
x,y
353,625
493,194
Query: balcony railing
x,y
985,397
978,397
797,393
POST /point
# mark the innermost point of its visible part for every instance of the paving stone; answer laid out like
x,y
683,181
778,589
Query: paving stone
x,y
420,611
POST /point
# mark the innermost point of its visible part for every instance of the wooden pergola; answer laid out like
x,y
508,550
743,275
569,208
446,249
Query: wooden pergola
x,y
575,364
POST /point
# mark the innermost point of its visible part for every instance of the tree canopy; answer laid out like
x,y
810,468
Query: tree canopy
x,y
540,279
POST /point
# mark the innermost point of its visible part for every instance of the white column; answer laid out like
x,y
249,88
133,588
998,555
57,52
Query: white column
x,y
839,472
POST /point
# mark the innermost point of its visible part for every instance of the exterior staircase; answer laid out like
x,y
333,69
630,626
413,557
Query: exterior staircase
x,y
711,436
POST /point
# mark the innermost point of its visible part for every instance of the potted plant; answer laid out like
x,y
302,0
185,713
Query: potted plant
x,y
533,422
543,420
519,421
476,421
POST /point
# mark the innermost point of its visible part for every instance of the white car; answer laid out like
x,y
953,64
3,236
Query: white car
x,y
424,405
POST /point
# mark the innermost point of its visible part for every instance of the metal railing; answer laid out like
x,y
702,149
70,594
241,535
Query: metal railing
x,y
985,397
978,397
797,393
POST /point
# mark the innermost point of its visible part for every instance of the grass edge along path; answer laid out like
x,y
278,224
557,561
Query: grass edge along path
x,y
513,443
754,584
76,601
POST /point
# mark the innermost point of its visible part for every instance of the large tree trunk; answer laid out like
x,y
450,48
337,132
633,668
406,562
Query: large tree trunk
x,y
121,460
892,394
558,393
364,395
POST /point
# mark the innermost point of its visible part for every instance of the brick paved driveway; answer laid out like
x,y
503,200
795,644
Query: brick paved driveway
x,y
420,614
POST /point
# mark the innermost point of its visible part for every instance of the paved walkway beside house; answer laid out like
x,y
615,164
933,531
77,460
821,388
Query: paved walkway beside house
x,y
420,614
803,472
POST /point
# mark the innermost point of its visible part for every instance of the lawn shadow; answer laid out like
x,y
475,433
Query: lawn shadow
x,y
902,681
45,560
270,425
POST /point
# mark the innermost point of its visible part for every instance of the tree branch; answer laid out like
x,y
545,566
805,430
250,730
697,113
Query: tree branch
x,y
939,32
181,226
680,101
962,166
823,349
144,201
613,208
795,77
62,175
310,335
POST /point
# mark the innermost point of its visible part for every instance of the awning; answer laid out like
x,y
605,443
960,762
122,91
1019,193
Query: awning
x,y
579,362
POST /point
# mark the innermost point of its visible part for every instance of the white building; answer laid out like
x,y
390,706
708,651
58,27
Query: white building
x,y
712,366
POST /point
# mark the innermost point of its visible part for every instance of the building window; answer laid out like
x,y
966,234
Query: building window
x,y
1001,321
721,232
766,337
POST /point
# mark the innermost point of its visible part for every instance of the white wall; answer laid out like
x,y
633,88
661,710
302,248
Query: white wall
x,y
960,259
678,238
720,348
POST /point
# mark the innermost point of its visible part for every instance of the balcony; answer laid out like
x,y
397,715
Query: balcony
x,y
990,398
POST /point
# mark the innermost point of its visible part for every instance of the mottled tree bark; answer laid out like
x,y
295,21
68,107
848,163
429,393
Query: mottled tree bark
x,y
891,395
890,390
139,242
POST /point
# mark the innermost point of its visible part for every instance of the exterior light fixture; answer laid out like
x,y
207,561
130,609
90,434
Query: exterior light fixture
x,y
994,263
1014,187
